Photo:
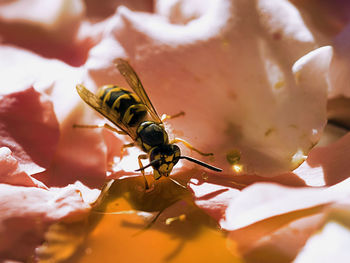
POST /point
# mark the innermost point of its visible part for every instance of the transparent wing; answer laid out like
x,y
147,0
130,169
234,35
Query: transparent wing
x,y
134,82
96,103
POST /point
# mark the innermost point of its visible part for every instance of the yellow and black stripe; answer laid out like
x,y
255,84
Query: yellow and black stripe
x,y
130,109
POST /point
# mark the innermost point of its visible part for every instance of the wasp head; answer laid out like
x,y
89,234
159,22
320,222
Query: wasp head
x,y
163,159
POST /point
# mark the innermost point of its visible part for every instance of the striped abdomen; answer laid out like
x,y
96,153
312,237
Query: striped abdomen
x,y
130,109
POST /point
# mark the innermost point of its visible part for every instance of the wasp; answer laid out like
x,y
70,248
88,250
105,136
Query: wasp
x,y
134,115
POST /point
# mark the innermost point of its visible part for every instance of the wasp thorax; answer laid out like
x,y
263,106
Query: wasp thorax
x,y
151,134
168,155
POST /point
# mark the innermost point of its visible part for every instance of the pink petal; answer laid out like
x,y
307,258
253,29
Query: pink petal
x,y
203,61
262,201
275,240
213,198
11,173
26,212
327,165
58,82
47,28
269,221
330,244
26,119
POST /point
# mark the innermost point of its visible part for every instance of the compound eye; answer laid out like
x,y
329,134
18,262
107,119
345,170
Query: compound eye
x,y
176,153
157,165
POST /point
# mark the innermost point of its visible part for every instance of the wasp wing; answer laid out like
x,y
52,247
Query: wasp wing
x,y
134,82
97,104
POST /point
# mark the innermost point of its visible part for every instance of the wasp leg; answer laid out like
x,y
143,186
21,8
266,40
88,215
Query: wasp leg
x,y
188,145
143,156
124,147
168,117
151,223
106,126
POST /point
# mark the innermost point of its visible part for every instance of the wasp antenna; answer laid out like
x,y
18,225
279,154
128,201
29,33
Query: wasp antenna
x,y
201,163
148,165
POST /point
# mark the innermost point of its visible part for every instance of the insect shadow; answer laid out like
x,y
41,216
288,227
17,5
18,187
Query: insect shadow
x,y
174,210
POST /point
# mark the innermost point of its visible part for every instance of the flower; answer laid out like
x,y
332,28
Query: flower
x,y
257,80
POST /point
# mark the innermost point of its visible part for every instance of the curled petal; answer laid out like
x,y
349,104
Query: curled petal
x,y
26,212
25,119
